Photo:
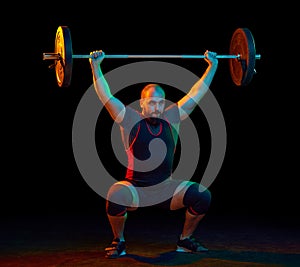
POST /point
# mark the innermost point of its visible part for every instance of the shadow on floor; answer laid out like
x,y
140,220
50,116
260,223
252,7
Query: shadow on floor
x,y
80,242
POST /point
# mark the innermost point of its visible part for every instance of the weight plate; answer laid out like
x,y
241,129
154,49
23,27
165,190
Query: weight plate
x,y
63,47
242,69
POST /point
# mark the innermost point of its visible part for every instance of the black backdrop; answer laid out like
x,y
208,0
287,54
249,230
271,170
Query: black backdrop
x,y
40,175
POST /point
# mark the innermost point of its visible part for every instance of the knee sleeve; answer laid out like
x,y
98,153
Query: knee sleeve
x,y
197,201
118,199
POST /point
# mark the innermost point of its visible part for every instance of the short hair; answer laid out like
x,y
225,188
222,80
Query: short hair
x,y
157,87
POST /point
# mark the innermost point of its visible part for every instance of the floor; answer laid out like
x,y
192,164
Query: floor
x,y
73,240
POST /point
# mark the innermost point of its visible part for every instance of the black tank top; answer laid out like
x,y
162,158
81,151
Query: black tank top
x,y
151,150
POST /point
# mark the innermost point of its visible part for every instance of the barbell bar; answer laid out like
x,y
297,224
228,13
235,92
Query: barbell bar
x,y
242,56
56,56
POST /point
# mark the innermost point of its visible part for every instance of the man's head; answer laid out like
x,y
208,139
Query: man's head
x,y
152,100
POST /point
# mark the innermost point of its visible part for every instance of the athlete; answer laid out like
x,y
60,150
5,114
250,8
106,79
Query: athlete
x,y
150,136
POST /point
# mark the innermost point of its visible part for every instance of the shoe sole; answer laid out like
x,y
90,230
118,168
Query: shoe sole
x,y
185,250
181,249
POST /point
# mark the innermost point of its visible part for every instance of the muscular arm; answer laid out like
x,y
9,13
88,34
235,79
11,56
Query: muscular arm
x,y
113,105
191,99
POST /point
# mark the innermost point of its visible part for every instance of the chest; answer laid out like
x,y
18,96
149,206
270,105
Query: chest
x,y
146,132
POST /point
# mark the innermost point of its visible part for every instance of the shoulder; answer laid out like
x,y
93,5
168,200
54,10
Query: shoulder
x,y
131,118
171,113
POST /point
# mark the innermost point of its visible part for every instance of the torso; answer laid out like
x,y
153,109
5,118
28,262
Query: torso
x,y
137,135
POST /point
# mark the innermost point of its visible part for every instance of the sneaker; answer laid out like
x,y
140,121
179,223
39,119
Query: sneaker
x,y
115,249
190,244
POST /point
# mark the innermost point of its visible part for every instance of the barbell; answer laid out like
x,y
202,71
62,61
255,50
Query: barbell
x,y
242,56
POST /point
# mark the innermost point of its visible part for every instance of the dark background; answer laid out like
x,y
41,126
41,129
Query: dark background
x,y
259,173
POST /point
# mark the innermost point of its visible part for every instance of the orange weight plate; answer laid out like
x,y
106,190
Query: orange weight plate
x,y
242,69
63,47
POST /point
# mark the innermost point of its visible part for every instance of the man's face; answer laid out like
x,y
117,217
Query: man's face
x,y
153,104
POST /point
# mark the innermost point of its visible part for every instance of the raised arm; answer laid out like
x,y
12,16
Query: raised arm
x,y
113,105
191,99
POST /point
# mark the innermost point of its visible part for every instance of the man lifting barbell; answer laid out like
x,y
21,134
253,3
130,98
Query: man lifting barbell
x,y
139,129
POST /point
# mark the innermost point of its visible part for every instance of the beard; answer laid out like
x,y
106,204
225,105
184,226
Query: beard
x,y
153,120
